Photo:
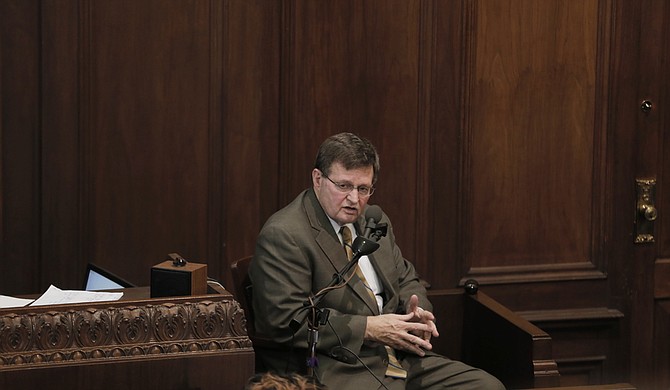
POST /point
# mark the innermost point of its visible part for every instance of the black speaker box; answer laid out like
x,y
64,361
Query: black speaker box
x,y
169,280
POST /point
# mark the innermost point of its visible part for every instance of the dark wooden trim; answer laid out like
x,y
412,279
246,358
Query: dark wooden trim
x,y
534,273
574,314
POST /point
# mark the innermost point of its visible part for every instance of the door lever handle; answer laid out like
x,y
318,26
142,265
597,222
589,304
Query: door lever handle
x,y
646,210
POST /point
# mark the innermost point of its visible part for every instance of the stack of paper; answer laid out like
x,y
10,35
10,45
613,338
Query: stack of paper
x,y
56,296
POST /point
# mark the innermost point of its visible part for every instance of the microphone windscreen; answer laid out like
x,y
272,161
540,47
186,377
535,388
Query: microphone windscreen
x,y
373,212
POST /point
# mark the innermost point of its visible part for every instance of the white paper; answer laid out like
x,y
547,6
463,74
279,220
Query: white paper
x,y
56,296
6,302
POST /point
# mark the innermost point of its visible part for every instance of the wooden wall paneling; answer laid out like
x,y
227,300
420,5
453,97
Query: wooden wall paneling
x,y
621,158
663,190
661,360
251,123
650,82
423,199
532,146
148,138
353,67
532,157
20,146
392,114
61,258
447,110
662,279
216,266
130,129
581,342
637,147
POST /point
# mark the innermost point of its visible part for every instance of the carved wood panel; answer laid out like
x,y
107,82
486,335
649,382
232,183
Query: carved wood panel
x,y
85,335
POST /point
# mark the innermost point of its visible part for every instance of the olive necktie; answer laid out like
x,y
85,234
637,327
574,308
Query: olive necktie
x,y
394,369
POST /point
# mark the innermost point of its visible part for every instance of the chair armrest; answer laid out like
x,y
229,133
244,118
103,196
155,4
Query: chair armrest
x,y
494,339
514,350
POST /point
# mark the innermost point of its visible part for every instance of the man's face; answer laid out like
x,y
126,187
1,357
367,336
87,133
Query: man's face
x,y
343,207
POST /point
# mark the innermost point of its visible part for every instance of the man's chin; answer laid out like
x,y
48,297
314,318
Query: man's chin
x,y
349,216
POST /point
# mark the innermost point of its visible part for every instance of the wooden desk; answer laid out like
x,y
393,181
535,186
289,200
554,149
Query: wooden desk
x,y
196,342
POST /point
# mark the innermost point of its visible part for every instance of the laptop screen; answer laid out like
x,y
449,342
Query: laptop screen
x,y
98,278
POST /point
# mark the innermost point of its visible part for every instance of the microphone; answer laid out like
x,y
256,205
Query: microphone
x,y
361,247
372,215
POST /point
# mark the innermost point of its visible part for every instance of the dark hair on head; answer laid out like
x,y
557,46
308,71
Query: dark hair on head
x,y
349,150
277,381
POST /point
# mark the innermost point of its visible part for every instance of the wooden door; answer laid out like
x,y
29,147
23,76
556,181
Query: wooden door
x,y
534,192
645,274
554,138
554,135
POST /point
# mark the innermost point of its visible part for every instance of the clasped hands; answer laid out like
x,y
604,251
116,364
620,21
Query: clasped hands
x,y
409,332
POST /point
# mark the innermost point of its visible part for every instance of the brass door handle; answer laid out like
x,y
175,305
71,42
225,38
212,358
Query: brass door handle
x,y
646,210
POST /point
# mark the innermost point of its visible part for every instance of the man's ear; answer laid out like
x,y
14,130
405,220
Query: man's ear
x,y
316,178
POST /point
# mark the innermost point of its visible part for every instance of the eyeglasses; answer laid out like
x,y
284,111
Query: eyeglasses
x,y
345,188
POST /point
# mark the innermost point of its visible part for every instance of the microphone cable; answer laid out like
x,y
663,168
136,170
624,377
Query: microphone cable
x,y
326,289
339,340
313,310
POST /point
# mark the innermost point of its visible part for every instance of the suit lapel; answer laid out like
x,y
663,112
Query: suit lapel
x,y
329,242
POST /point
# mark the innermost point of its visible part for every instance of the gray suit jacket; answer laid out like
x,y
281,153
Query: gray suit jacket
x,y
297,253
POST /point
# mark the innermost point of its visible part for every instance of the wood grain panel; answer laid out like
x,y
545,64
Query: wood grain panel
x,y
250,125
662,279
353,67
146,153
661,360
582,340
61,209
447,89
19,145
663,192
531,140
509,132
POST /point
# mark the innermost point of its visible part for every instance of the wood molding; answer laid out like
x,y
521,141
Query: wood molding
x,y
576,314
44,336
533,273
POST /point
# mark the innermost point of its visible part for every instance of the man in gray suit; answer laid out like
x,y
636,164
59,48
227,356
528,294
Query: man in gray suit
x,y
378,323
